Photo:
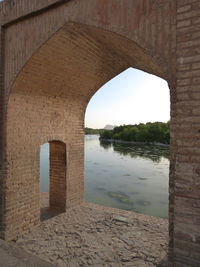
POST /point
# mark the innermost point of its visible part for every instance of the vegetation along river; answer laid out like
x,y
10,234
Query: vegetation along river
x,y
125,176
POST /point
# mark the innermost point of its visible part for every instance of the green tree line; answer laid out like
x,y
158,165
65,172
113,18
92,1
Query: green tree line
x,y
93,131
149,132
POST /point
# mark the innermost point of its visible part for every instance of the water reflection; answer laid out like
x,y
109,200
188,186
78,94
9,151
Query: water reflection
x,y
152,152
105,145
127,176
131,177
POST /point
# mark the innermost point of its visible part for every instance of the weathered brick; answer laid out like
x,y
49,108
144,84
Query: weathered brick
x,y
188,74
196,65
185,2
183,23
188,59
189,14
183,8
196,20
47,76
195,81
183,82
195,35
186,44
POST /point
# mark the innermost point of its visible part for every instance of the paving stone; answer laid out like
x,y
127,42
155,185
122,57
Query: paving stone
x,y
96,240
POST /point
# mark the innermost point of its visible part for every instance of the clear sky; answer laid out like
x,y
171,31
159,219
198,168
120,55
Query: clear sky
x,y
131,97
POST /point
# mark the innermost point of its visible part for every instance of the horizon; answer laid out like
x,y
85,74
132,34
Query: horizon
x,y
123,125
131,92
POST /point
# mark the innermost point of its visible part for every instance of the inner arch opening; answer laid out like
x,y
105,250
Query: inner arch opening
x,y
52,179
123,170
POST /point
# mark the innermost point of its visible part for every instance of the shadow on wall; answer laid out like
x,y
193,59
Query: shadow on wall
x,y
45,211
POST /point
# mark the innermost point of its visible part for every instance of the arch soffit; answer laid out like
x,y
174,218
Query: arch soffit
x,y
77,49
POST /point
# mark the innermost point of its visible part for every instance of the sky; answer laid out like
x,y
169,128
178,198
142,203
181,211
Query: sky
x,y
131,97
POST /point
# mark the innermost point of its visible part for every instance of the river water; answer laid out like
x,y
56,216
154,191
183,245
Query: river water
x,y
125,176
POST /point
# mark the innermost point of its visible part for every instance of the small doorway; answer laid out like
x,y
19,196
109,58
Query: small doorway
x,y
52,179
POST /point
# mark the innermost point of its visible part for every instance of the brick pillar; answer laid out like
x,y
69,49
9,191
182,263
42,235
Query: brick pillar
x,y
186,237
57,190
2,138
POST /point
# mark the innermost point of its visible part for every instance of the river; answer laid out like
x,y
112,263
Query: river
x,y
125,176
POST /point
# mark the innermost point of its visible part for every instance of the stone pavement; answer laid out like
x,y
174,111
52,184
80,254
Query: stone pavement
x,y
92,235
12,256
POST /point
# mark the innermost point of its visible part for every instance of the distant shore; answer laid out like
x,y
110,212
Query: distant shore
x,y
133,142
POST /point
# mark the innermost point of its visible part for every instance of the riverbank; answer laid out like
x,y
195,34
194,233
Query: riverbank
x,y
93,235
133,142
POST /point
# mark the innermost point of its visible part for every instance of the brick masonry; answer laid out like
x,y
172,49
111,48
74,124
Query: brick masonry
x,y
57,189
186,128
55,55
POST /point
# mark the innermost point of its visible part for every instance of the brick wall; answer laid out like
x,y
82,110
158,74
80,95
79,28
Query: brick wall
x,y
3,169
32,121
58,165
186,142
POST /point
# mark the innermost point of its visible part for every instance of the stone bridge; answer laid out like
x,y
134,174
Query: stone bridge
x,y
54,55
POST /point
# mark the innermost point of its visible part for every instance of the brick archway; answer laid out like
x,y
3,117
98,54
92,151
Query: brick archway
x,y
49,73
50,96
